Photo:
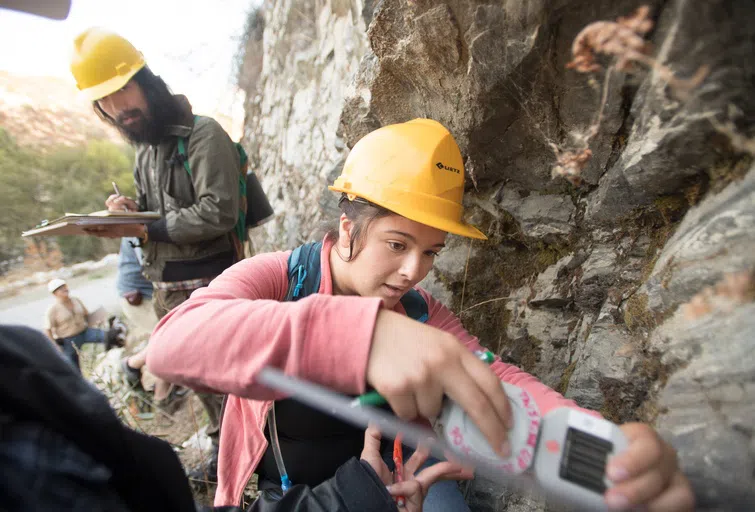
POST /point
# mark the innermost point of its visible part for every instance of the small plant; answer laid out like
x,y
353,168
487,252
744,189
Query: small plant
x,y
569,164
623,42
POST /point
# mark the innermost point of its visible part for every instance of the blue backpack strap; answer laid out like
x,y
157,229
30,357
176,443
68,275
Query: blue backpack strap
x,y
304,271
415,305
304,280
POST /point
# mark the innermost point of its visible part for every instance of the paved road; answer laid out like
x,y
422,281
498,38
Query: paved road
x,y
28,308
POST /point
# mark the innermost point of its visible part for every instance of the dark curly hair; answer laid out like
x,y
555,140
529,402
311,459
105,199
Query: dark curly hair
x,y
361,213
164,109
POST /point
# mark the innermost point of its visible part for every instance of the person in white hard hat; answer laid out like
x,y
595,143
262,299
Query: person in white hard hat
x,y
67,324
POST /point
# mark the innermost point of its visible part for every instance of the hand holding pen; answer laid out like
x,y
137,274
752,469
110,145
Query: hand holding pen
x,y
398,471
416,482
118,202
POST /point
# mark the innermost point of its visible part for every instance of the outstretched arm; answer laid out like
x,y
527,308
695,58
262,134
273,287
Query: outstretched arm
x,y
221,337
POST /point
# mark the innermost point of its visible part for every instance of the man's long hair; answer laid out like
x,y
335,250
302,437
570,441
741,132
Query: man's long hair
x,y
164,109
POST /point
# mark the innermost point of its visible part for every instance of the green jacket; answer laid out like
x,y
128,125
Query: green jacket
x,y
192,239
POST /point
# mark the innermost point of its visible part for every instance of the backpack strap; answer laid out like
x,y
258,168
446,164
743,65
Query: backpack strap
x,y
240,228
182,152
304,280
415,305
303,271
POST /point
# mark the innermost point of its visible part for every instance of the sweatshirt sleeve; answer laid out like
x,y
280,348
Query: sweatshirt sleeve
x,y
223,335
545,397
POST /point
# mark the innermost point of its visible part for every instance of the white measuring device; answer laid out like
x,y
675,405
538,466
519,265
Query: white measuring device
x,y
562,454
565,451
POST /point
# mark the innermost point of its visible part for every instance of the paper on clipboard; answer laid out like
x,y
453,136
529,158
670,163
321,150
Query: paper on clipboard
x,y
75,223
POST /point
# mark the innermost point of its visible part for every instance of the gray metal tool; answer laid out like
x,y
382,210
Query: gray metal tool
x,y
561,455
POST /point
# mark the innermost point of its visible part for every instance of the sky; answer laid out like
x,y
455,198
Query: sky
x,y
190,43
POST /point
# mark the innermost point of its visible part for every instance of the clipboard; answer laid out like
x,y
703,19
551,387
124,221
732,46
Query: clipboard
x,y
76,223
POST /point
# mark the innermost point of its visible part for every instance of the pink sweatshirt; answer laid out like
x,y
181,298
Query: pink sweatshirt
x,y
224,334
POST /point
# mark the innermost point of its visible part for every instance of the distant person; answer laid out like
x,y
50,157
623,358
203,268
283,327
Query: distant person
x,y
67,324
136,303
187,169
134,290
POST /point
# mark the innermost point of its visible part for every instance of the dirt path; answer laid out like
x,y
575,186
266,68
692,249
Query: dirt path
x,y
28,307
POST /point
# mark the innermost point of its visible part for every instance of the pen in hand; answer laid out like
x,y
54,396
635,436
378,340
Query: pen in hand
x,y
118,193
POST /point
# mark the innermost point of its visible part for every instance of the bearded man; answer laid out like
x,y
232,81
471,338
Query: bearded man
x,y
187,169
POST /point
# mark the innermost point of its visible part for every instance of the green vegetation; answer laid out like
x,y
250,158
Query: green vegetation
x,y
563,385
37,185
728,172
636,314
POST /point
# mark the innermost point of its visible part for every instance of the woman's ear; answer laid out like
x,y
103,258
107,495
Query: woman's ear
x,y
344,231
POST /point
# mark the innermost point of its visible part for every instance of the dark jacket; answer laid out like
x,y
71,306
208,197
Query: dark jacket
x,y
192,239
38,386
63,448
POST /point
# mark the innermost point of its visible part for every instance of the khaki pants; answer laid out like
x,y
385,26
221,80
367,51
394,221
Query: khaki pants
x,y
141,319
163,302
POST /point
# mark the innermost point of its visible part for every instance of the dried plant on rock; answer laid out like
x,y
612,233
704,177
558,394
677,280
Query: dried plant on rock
x,y
623,39
569,164
623,42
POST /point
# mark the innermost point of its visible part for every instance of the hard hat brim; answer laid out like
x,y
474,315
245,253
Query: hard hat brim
x,y
434,221
56,284
108,87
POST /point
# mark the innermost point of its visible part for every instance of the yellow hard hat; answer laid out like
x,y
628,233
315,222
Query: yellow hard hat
x,y
413,169
103,62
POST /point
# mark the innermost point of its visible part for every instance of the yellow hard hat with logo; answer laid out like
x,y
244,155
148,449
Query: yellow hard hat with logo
x,y
413,169
103,62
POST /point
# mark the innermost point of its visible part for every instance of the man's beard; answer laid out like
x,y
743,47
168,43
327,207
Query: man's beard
x,y
142,129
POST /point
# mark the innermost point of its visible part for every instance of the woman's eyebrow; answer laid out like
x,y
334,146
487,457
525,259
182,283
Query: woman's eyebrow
x,y
410,237
397,232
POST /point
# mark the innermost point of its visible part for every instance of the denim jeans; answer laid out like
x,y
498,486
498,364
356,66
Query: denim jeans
x,y
72,344
443,496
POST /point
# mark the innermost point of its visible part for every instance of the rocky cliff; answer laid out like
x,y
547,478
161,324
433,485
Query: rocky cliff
x,y
628,287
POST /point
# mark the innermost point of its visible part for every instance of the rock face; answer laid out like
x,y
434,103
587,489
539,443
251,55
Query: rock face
x,y
310,52
586,286
710,400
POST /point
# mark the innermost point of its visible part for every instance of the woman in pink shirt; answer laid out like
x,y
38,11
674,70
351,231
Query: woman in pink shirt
x,y
402,188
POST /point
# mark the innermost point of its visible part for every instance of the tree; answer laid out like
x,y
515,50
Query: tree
x,y
82,180
21,189
36,186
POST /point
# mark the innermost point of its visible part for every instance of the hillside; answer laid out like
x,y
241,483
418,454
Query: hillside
x,y
45,111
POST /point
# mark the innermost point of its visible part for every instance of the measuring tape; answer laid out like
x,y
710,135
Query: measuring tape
x,y
565,451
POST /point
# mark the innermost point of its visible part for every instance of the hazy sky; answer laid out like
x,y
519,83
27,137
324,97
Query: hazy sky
x,y
190,43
